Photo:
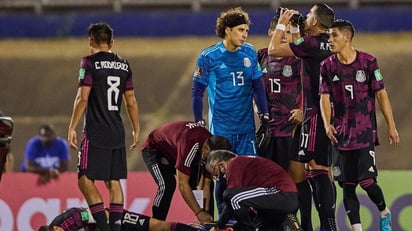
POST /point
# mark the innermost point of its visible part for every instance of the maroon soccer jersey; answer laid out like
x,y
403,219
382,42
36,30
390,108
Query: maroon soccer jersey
x,y
312,50
250,171
109,76
352,88
74,219
179,142
281,78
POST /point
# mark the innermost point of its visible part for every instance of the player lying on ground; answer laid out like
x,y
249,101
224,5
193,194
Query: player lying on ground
x,y
74,219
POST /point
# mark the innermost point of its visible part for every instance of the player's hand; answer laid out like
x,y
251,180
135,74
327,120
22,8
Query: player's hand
x,y
286,16
393,136
136,139
72,138
330,132
296,116
203,217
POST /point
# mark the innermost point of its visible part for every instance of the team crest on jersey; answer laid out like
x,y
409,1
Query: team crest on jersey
x,y
360,76
246,62
287,71
198,72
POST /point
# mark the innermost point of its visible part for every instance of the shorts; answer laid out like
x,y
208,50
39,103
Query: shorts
x,y
278,149
242,144
355,165
313,142
101,163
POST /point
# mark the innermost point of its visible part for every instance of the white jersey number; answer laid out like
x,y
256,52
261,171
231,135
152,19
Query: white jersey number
x,y
238,78
349,88
274,85
113,92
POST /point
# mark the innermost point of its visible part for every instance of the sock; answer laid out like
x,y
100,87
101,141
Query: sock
x,y
305,205
326,197
115,217
374,192
99,215
351,202
357,227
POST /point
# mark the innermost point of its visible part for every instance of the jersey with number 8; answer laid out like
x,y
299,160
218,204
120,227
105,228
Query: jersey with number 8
x,y
109,76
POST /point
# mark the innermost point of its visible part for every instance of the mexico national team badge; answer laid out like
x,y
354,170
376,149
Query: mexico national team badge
x,y
287,71
198,72
360,76
246,62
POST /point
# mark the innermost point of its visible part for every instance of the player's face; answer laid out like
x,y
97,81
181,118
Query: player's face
x,y
237,35
310,21
337,40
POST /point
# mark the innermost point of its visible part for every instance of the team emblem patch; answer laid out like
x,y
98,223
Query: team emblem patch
x,y
298,41
246,62
287,71
198,72
360,76
378,75
82,72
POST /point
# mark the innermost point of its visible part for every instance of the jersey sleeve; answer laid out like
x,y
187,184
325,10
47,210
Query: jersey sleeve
x,y
302,47
186,154
85,72
129,81
324,83
201,73
376,78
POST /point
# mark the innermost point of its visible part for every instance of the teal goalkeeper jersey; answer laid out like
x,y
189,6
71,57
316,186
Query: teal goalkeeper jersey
x,y
228,76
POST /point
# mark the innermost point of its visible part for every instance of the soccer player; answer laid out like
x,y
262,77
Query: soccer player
x,y
351,80
312,48
260,193
74,219
105,79
281,78
230,72
180,148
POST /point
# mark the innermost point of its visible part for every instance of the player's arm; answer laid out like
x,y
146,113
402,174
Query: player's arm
x,y
276,48
385,106
187,194
79,107
326,112
133,113
198,91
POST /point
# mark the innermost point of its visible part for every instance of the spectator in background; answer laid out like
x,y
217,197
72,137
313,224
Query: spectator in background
x,y
6,157
46,154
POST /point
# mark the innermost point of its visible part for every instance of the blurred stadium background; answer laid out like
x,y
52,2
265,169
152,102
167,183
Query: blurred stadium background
x,y
42,42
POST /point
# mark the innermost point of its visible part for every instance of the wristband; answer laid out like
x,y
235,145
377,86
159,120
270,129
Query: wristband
x,y
280,27
294,30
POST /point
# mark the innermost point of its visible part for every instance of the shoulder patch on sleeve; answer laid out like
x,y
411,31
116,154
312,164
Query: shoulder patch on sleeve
x,y
298,41
378,75
82,72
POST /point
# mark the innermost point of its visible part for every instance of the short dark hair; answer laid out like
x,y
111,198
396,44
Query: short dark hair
x,y
101,33
344,25
219,142
324,14
231,18
44,228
